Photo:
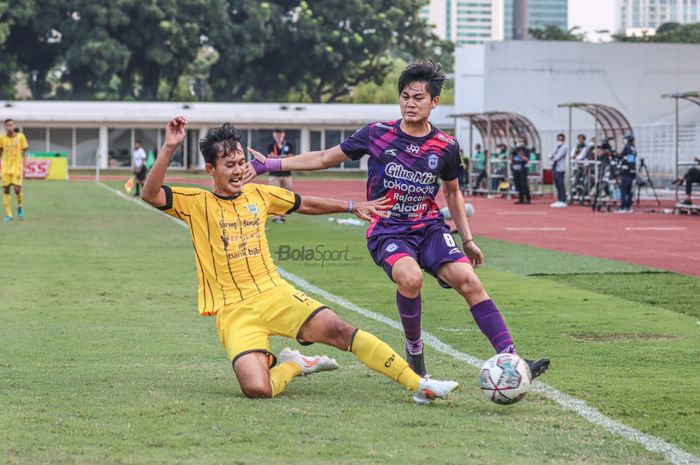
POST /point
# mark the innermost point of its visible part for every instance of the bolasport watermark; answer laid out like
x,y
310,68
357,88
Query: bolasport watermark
x,y
318,255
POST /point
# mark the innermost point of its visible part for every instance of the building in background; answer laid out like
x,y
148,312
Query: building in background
x,y
83,129
466,22
633,15
540,13
533,78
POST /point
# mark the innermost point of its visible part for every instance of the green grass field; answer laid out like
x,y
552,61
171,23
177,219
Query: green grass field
x,y
105,360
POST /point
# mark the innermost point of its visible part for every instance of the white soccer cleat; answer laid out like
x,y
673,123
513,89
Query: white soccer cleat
x,y
308,365
431,389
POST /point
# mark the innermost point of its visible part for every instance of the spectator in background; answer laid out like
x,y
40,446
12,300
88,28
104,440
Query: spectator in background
x,y
138,165
499,168
690,177
520,158
581,150
628,172
464,181
280,148
558,158
479,163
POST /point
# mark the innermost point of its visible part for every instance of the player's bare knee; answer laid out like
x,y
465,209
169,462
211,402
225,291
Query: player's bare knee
x,y
257,391
343,335
470,285
411,282
339,333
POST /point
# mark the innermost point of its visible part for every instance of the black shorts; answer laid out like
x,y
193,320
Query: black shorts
x,y
141,174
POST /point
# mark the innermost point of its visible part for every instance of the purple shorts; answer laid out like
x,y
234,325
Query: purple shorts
x,y
430,246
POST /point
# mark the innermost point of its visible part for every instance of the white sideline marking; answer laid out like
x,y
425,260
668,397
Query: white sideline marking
x,y
651,443
536,229
656,228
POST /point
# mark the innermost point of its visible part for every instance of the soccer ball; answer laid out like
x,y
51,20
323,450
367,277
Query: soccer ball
x,y
505,378
468,209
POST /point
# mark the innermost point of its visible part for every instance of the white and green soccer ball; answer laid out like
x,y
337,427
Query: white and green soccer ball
x,y
505,378
468,209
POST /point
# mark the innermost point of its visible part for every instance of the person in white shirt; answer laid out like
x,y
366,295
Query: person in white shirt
x,y
138,164
558,158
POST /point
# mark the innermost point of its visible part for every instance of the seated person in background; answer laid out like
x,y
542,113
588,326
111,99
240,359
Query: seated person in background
x,y
479,164
689,178
464,180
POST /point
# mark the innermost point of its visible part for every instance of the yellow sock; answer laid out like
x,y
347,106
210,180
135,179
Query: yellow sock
x,y
19,199
381,358
281,376
7,201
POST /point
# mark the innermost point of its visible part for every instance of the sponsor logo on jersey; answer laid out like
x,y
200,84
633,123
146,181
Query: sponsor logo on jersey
x,y
398,171
391,152
433,161
384,126
444,138
412,148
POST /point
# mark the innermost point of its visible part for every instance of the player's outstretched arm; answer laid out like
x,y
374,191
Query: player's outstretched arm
x,y
455,203
153,192
362,210
309,161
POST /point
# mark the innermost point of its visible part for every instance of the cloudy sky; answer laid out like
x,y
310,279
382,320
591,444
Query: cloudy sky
x,y
591,16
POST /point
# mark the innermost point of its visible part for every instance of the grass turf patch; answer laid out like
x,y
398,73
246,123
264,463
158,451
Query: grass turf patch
x,y
105,360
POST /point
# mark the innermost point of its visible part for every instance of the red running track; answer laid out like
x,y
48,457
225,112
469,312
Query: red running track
x,y
667,242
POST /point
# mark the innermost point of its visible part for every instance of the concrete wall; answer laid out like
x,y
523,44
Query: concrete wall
x,y
533,78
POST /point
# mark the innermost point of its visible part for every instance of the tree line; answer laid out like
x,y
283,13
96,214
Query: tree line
x,y
209,50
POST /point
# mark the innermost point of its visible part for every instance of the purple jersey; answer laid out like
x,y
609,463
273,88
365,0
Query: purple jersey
x,y
405,169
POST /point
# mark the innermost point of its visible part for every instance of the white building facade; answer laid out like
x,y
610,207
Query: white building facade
x,y
466,22
106,131
650,14
532,78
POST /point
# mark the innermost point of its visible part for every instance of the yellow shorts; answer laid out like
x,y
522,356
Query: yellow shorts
x,y
12,177
247,326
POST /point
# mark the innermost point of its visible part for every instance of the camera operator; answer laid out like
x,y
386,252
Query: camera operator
x,y
628,172
689,178
520,157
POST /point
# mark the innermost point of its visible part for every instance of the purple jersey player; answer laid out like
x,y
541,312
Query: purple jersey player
x,y
408,160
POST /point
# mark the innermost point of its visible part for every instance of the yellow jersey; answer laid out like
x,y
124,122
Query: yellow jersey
x,y
228,234
12,150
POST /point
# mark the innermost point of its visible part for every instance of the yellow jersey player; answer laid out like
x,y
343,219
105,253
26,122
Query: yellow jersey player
x,y
13,154
239,284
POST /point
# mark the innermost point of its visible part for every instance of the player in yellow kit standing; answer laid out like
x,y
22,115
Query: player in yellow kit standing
x,y
240,285
13,154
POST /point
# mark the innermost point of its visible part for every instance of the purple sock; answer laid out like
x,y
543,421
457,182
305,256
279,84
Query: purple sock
x,y
409,311
491,323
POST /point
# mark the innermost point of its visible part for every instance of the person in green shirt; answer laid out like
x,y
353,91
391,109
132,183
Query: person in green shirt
x,y
479,164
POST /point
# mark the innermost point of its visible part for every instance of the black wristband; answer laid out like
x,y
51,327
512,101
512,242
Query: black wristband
x,y
467,241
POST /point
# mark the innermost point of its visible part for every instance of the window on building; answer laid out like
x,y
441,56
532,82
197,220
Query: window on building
x,y
315,140
193,148
148,138
262,138
119,147
36,138
87,143
178,160
61,141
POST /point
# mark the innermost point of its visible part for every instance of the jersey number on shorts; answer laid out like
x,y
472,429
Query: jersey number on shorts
x,y
449,240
